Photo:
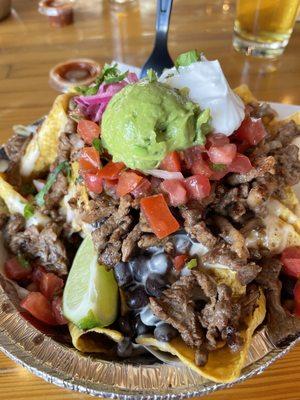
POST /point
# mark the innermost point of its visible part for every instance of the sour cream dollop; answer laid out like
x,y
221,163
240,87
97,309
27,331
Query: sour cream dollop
x,y
209,88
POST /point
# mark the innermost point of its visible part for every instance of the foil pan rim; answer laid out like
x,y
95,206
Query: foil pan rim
x,y
67,368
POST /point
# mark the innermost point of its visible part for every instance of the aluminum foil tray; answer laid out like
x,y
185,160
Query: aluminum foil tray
x,y
62,365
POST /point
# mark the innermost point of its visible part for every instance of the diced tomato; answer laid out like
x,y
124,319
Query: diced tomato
x,y
216,139
176,191
112,170
38,273
89,160
57,311
241,164
15,270
179,261
110,185
217,175
297,298
128,181
197,186
171,162
252,130
201,167
93,182
159,215
290,259
143,189
51,285
38,306
242,146
192,155
222,154
88,130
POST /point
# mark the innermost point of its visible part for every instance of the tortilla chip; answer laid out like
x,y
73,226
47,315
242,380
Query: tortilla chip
x,y
223,365
245,94
96,340
293,117
41,152
291,200
227,276
14,202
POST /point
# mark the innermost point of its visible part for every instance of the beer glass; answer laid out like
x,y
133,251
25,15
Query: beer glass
x,y
263,27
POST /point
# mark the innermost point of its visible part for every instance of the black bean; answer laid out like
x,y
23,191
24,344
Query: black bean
x,y
182,244
140,327
137,298
160,263
125,348
125,326
139,267
122,274
165,332
155,284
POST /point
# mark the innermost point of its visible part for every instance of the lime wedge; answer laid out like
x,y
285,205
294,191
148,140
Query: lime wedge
x,y
91,293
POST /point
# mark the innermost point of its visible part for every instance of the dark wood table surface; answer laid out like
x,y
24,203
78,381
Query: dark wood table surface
x,y
29,47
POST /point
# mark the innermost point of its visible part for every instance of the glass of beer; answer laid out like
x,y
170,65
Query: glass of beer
x,y
263,27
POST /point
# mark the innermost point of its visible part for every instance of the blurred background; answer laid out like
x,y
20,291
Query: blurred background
x,y
104,30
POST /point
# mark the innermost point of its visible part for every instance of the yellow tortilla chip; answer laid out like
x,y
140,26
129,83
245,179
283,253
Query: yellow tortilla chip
x,y
293,117
14,202
291,200
245,94
96,340
227,276
223,365
41,152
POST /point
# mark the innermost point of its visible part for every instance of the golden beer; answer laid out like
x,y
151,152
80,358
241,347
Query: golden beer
x,y
263,27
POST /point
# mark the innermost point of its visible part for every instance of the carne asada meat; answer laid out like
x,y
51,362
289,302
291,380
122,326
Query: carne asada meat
x,y
15,147
202,311
108,238
282,326
233,237
222,254
44,246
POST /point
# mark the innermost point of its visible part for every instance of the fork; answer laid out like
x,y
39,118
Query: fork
x,y
160,57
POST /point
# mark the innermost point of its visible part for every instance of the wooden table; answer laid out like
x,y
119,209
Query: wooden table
x,y
29,47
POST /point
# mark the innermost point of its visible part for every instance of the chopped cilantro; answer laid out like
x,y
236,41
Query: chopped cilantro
x,y
218,167
39,198
192,263
151,75
187,58
23,262
98,145
28,211
109,74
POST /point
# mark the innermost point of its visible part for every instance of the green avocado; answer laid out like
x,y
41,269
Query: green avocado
x,y
147,120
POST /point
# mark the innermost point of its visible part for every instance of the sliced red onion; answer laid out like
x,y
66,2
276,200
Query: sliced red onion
x,y
38,184
162,174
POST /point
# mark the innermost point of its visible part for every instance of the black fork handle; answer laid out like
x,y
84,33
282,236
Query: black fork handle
x,y
163,13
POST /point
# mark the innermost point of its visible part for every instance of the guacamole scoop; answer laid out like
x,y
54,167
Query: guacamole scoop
x,y
146,120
